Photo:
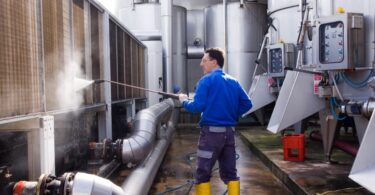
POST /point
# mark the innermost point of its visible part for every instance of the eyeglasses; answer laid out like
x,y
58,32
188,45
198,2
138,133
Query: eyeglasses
x,y
204,60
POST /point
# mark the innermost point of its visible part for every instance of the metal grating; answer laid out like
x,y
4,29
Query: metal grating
x,y
19,70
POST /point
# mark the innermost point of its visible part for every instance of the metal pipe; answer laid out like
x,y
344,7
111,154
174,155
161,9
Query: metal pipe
x,y
139,145
149,37
107,169
280,9
194,52
365,108
347,147
84,183
257,61
166,19
140,180
225,14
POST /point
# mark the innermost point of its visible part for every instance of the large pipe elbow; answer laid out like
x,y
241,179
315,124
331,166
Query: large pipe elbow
x,y
84,183
147,121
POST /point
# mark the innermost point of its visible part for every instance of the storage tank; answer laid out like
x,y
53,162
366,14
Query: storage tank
x,y
179,48
245,29
144,21
286,18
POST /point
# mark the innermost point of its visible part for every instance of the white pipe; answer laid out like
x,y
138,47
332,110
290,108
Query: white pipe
x,y
166,22
225,14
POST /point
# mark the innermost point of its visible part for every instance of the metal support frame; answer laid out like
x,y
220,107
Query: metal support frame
x,y
105,118
40,143
328,127
363,170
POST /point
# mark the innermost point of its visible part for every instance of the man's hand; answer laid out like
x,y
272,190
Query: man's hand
x,y
182,97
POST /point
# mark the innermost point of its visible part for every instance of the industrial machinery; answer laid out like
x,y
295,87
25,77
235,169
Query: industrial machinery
x,y
308,57
153,128
333,76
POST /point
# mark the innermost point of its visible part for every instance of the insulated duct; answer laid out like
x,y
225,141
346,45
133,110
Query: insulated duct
x,y
141,179
147,122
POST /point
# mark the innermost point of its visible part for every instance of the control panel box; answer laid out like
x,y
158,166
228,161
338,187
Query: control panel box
x,y
280,55
340,41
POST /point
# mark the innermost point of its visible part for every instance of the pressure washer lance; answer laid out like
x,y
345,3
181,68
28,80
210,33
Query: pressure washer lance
x,y
165,94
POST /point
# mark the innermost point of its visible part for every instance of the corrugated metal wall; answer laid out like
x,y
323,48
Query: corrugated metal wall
x,y
96,51
40,39
56,46
19,67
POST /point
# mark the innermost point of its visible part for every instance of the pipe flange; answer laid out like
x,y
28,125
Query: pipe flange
x,y
65,186
106,149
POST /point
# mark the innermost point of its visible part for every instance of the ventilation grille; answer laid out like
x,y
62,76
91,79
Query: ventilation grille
x,y
19,68
55,47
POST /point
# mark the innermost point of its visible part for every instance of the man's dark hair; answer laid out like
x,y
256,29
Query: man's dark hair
x,y
216,54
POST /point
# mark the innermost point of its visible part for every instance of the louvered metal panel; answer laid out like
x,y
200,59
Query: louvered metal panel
x,y
79,47
113,58
120,62
96,51
141,65
134,60
55,48
128,66
19,67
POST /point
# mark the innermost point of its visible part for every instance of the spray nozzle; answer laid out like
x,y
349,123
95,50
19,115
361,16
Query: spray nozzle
x,y
98,81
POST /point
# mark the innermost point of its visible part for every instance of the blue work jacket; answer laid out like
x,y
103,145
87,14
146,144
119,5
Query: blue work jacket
x,y
220,98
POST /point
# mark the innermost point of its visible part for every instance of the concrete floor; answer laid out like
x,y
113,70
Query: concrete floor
x,y
314,175
179,166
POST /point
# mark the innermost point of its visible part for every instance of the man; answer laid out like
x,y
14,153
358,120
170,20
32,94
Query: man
x,y
221,101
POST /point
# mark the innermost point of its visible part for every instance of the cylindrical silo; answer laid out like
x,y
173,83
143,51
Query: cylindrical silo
x,y
179,48
245,30
286,19
143,20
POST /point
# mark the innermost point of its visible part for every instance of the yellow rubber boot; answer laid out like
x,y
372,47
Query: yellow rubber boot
x,y
203,189
234,188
